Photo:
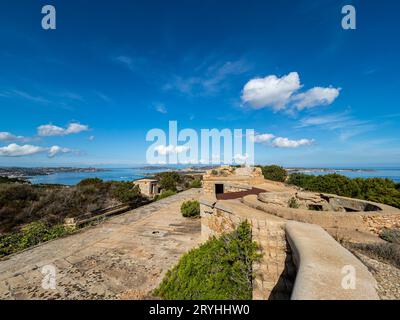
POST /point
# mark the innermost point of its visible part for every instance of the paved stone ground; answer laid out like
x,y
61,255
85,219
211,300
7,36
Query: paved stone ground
x,y
124,257
386,275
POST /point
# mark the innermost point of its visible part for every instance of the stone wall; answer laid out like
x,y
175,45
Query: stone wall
x,y
375,223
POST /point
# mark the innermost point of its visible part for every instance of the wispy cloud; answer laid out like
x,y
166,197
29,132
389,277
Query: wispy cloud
x,y
49,130
208,79
345,124
159,107
130,62
24,95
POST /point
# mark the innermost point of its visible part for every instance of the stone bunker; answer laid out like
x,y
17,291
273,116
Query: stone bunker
x,y
295,230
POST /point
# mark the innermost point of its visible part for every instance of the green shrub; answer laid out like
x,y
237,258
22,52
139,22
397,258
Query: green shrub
x,y
13,180
274,173
196,183
391,235
127,192
220,269
30,235
190,209
164,194
292,203
371,189
169,180
89,181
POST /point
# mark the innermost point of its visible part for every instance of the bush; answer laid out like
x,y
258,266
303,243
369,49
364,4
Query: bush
x,y
190,209
220,269
89,182
13,180
391,235
30,235
371,189
169,180
196,183
127,192
164,194
292,203
274,173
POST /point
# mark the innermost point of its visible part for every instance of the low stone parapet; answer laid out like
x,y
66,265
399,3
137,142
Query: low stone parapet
x,y
326,270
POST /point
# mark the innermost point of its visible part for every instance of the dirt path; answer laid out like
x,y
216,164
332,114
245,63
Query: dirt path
x,y
124,257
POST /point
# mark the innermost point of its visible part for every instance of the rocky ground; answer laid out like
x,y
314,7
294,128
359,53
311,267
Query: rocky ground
x,y
386,275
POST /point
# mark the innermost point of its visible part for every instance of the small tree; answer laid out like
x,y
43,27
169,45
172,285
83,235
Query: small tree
x,y
190,209
196,183
128,193
274,173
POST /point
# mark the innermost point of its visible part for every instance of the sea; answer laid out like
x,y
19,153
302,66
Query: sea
x,y
129,174
112,174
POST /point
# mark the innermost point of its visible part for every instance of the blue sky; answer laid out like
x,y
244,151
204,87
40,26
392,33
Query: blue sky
x,y
88,92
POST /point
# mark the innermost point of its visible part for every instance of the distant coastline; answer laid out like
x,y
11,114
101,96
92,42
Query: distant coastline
x,y
22,172
326,170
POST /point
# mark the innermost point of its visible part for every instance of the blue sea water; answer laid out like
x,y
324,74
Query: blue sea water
x,y
129,174
72,178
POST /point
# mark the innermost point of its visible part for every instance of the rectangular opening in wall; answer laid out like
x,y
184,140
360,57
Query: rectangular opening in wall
x,y
219,188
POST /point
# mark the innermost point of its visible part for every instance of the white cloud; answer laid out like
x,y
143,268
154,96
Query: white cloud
x,y
54,150
161,108
280,142
315,97
15,150
287,143
266,137
170,149
9,137
91,138
283,93
271,91
49,130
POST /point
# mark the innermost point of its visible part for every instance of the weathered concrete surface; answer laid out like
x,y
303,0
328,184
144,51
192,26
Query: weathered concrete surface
x,y
124,257
323,265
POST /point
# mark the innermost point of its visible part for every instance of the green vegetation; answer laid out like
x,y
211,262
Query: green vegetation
x,y
391,235
169,180
164,194
274,173
32,214
190,209
128,193
12,180
196,183
30,235
292,203
219,269
372,189
21,204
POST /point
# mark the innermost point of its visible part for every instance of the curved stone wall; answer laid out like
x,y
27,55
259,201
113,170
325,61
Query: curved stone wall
x,y
326,270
